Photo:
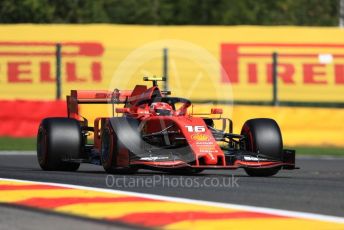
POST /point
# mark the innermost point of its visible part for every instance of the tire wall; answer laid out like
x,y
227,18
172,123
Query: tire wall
x,y
22,118
300,126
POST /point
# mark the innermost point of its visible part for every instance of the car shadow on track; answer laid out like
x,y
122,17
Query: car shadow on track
x,y
147,173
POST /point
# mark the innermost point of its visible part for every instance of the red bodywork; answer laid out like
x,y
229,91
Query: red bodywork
x,y
207,152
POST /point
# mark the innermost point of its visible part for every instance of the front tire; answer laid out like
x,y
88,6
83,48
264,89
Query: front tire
x,y
262,172
59,139
263,136
112,147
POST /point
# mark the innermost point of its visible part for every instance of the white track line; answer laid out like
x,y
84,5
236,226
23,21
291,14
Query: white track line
x,y
16,153
280,212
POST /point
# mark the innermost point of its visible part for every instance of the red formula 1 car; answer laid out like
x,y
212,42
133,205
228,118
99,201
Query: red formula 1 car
x,y
156,131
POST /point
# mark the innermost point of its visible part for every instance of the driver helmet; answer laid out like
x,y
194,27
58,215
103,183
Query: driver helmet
x,y
160,109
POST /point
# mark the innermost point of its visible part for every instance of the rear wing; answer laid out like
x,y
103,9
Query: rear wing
x,y
94,97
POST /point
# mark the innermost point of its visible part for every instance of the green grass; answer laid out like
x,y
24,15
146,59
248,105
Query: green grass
x,y
318,151
8,143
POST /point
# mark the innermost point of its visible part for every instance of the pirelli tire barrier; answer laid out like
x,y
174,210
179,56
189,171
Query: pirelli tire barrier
x,y
21,118
300,125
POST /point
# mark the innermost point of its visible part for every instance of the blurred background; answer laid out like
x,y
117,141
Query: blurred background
x,y
282,59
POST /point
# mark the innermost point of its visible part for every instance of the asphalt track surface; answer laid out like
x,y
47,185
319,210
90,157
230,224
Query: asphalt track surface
x,y
318,187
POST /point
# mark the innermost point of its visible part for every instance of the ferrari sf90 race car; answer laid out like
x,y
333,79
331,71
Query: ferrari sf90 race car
x,y
149,129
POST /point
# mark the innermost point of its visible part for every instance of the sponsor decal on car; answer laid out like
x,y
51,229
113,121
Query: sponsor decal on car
x,y
154,158
208,149
251,158
200,137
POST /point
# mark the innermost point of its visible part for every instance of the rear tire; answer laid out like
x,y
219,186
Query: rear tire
x,y
59,139
263,136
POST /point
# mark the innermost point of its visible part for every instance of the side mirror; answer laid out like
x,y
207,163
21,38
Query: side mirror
x,y
216,111
122,110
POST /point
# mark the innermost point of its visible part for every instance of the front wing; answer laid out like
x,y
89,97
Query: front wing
x,y
240,159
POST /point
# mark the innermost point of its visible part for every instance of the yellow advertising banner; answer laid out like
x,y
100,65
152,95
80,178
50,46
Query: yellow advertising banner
x,y
204,62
